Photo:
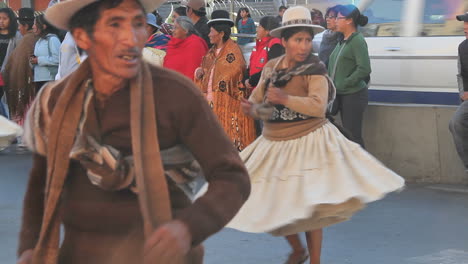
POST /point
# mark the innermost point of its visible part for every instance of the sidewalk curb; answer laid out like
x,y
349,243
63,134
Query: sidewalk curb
x,y
449,188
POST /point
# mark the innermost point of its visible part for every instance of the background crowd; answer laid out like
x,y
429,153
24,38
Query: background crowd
x,y
275,108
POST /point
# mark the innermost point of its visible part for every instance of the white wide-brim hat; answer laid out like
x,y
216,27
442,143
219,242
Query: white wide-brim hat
x,y
59,15
297,16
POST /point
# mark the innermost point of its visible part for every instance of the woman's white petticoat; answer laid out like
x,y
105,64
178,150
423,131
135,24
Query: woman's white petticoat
x,y
310,182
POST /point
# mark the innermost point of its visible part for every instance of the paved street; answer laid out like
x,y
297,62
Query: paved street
x,y
421,225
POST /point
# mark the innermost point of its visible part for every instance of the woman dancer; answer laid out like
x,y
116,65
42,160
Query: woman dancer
x,y
305,174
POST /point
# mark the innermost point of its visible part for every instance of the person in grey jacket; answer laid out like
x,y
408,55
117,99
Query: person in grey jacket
x,y
46,52
70,57
330,36
459,123
9,39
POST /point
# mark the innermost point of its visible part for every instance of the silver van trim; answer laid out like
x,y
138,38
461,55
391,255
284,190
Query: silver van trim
x,y
414,57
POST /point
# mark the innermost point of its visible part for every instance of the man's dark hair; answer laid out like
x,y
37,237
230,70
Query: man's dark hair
x,y
41,22
281,8
88,16
198,13
181,11
288,33
333,9
269,23
13,25
159,18
223,28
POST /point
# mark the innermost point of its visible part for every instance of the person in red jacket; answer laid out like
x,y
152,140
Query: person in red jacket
x,y
186,49
267,48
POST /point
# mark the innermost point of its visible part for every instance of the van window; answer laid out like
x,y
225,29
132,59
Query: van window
x,y
384,18
439,17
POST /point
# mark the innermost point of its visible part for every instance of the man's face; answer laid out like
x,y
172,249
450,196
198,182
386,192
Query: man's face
x,y
189,11
23,29
465,29
118,40
281,12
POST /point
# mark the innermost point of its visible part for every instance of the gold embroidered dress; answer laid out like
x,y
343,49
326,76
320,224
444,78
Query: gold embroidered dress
x,y
221,83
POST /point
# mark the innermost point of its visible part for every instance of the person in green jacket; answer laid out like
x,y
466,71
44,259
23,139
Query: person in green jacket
x,y
349,67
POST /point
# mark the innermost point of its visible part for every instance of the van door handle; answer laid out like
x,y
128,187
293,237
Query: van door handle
x,y
392,48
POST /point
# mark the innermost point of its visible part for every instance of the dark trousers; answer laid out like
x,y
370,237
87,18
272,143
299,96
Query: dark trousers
x,y
459,127
3,109
39,85
351,108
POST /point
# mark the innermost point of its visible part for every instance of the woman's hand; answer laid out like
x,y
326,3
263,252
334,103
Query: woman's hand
x,y
276,96
199,73
33,60
246,106
26,257
247,84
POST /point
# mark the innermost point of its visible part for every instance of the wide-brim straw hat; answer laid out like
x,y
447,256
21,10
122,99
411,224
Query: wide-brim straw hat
x,y
297,16
60,14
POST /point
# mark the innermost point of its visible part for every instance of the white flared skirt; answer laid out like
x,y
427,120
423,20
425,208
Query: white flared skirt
x,y
309,183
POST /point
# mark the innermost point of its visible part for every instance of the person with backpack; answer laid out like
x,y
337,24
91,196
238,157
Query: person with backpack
x,y
45,60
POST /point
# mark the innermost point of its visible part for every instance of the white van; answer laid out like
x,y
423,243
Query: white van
x,y
413,46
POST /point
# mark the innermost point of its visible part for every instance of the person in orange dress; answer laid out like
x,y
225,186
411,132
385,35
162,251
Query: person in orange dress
x,y
220,79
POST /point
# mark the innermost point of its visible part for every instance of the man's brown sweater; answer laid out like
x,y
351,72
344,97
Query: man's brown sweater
x,y
106,227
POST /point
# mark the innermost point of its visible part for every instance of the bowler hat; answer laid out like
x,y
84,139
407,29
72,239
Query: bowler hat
x,y
60,14
220,17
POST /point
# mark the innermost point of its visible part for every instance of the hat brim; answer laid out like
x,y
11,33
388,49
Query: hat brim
x,y
153,24
59,15
220,21
277,31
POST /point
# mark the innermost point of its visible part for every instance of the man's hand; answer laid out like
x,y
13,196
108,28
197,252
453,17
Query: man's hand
x,y
277,96
26,257
464,96
169,244
246,106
